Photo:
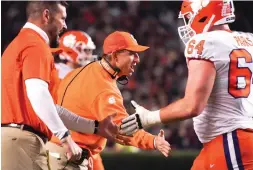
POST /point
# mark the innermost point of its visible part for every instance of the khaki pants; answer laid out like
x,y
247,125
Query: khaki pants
x,y
58,159
22,150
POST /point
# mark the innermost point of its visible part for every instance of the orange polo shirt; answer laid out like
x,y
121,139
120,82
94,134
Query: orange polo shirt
x,y
27,56
91,93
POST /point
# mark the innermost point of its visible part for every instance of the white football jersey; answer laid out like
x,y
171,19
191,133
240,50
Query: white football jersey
x,y
63,69
230,105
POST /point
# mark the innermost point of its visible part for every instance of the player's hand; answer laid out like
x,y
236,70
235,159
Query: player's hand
x,y
74,152
107,128
142,118
161,144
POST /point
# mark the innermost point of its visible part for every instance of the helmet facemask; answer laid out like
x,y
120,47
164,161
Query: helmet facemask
x,y
186,32
86,57
84,54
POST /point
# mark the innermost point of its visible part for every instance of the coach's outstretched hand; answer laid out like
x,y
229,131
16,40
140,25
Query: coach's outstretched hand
x,y
161,144
107,128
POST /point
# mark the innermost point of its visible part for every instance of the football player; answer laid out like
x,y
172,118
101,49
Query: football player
x,y
75,50
219,90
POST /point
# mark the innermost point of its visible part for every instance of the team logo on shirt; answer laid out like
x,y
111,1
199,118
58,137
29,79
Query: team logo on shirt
x,y
111,100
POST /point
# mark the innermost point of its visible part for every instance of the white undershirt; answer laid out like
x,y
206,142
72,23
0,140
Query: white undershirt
x,y
54,116
43,105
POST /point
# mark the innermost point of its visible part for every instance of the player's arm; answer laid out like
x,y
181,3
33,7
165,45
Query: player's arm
x,y
201,77
198,89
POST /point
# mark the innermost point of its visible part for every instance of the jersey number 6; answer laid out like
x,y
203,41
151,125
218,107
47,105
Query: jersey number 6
x,y
239,77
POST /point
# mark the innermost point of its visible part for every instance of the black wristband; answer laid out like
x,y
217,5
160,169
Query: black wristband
x,y
67,133
96,126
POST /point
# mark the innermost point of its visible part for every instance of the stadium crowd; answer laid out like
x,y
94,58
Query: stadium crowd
x,y
161,75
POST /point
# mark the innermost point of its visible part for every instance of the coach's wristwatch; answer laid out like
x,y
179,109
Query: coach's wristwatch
x,y
96,126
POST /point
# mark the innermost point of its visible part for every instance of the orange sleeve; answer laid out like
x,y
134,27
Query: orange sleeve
x,y
108,103
37,63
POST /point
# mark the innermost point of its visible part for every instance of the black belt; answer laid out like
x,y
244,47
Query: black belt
x,y
27,128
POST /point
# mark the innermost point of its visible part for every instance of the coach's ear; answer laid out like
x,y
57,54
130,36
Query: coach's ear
x,y
113,59
46,16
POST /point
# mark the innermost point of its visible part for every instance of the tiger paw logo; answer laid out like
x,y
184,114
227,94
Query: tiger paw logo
x,y
111,100
69,41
